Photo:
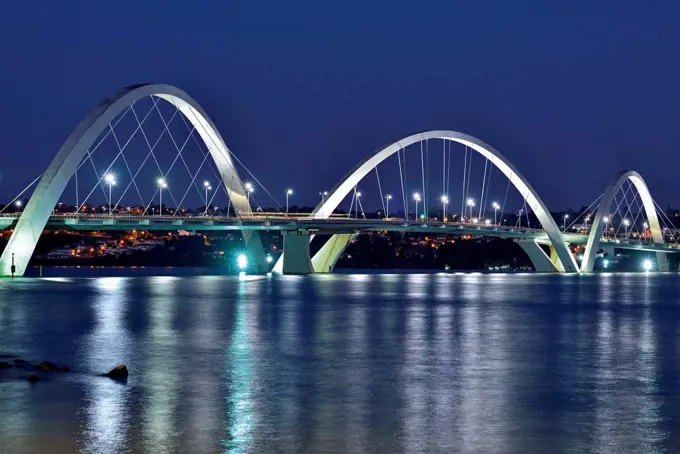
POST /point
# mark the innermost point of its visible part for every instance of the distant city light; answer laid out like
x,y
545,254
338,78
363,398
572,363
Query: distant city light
x,y
647,265
242,261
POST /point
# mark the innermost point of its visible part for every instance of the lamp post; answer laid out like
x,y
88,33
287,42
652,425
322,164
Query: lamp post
x,y
388,197
249,190
519,217
162,184
323,200
564,223
606,222
18,204
416,198
496,207
207,187
288,193
626,223
445,200
110,180
356,206
471,205
645,226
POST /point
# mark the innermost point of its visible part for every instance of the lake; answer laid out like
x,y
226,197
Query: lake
x,y
344,363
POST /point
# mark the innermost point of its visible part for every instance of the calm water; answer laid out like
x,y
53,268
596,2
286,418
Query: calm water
x,y
345,363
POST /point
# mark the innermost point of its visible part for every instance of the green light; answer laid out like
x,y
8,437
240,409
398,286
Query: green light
x,y
242,261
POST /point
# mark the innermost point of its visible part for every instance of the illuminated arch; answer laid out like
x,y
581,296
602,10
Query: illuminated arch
x,y
565,260
53,182
595,236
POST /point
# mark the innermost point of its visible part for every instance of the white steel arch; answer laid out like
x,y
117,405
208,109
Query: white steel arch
x,y
595,236
53,182
565,259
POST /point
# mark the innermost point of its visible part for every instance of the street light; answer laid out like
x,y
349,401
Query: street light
x,y
496,207
564,223
288,193
388,197
207,187
111,181
487,221
356,206
626,223
249,190
445,200
606,221
416,198
471,205
519,217
645,226
323,200
18,204
162,184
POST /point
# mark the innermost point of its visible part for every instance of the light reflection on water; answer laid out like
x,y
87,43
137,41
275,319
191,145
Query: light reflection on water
x,y
345,363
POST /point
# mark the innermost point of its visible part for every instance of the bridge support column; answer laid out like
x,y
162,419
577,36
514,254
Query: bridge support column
x,y
541,261
324,261
662,262
296,253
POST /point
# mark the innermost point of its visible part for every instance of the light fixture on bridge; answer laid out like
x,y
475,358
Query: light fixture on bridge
x,y
388,197
416,198
242,261
605,263
495,207
270,259
564,222
162,184
288,193
471,205
487,221
647,265
111,181
207,187
445,201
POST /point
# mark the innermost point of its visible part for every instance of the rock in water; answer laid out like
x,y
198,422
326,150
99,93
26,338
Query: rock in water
x,y
47,366
120,372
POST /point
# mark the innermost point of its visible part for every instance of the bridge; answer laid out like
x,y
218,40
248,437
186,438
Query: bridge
x,y
625,215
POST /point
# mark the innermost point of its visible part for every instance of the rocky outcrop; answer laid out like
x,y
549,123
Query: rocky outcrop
x,y
47,366
120,372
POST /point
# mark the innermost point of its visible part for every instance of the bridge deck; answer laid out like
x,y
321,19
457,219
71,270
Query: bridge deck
x,y
323,226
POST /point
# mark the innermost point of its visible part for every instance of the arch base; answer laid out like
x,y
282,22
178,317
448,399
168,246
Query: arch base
x,y
541,261
324,261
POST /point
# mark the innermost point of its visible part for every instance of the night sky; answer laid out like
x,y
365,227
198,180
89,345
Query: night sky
x,y
570,92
